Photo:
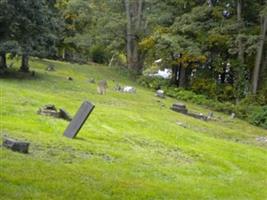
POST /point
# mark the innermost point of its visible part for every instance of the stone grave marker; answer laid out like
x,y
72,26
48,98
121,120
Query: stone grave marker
x,y
179,107
14,145
160,94
79,119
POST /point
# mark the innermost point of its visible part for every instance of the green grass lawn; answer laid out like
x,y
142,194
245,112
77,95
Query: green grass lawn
x,y
129,148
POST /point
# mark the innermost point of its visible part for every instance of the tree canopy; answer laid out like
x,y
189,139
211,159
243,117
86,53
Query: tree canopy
x,y
222,43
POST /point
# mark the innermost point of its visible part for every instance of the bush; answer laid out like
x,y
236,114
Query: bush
x,y
99,55
120,60
205,86
153,82
248,109
259,117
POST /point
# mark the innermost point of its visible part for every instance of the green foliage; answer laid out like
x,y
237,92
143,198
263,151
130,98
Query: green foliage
x,y
30,27
153,82
209,88
90,25
99,55
205,86
225,92
259,117
248,109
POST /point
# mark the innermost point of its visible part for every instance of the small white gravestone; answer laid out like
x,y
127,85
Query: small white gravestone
x,y
129,89
160,93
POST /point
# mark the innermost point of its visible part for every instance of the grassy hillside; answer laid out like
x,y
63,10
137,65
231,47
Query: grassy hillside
x,y
130,148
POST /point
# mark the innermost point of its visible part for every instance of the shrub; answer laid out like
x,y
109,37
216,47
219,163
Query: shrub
x,y
153,82
259,117
205,86
248,109
99,55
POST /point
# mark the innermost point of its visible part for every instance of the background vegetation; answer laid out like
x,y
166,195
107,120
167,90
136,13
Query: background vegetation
x,y
214,48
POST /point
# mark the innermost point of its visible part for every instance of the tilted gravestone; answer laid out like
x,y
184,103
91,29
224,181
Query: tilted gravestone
x,y
79,119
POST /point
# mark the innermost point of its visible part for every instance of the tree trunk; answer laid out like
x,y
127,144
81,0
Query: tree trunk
x,y
3,64
24,63
256,71
241,51
134,9
174,79
63,54
182,77
111,61
263,72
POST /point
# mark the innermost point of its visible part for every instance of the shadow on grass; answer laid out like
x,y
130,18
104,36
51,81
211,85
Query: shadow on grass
x,y
13,73
81,139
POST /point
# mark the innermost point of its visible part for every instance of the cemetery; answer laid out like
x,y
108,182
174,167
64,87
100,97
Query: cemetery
x,y
133,100
115,135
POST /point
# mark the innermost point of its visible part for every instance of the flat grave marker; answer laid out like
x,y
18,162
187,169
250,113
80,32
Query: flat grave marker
x,y
79,119
14,145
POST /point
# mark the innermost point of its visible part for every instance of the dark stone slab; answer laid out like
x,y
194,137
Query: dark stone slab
x,y
198,116
50,107
181,108
48,110
51,110
63,114
19,146
79,119
178,107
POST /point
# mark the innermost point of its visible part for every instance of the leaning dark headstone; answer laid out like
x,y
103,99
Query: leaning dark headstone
x,y
79,119
19,146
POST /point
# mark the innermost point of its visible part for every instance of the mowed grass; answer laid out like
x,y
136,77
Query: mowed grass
x,y
130,148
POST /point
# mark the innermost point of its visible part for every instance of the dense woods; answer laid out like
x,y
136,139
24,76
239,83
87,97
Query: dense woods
x,y
214,48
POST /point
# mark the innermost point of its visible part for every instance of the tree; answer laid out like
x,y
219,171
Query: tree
x,y
134,15
259,57
241,25
6,16
33,27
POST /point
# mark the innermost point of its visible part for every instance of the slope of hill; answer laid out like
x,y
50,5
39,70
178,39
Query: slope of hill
x,y
130,148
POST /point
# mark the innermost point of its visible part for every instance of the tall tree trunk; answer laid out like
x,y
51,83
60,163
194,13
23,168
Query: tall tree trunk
x,y
263,71
256,71
24,63
63,54
182,77
241,25
175,70
134,9
3,64
111,60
